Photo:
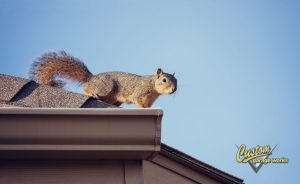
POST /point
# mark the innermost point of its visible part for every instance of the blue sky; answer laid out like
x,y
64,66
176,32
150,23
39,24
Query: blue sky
x,y
237,64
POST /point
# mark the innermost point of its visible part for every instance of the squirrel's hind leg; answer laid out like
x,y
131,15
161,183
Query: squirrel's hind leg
x,y
102,87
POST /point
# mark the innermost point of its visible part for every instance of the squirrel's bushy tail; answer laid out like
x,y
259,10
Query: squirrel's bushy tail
x,y
52,64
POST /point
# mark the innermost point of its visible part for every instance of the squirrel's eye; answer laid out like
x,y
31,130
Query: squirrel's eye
x,y
164,80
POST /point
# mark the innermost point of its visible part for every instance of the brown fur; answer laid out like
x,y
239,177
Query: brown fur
x,y
52,64
111,87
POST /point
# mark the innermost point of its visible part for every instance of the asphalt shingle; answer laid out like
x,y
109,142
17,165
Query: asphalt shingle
x,y
10,86
19,92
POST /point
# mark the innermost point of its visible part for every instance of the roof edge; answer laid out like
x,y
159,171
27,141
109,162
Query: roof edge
x,y
198,165
83,111
48,133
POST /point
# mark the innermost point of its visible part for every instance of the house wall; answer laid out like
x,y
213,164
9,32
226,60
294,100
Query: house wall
x,y
163,170
155,174
159,170
70,172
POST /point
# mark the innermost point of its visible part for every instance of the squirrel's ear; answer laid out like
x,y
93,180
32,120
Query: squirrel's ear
x,y
173,74
159,71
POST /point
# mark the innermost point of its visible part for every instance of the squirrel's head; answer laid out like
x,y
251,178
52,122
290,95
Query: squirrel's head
x,y
165,83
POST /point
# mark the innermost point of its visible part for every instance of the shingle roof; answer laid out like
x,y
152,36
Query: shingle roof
x,y
20,92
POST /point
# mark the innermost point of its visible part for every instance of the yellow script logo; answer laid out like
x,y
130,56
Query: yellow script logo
x,y
244,155
257,156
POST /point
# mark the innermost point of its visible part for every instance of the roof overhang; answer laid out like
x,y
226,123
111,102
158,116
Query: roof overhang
x,y
84,134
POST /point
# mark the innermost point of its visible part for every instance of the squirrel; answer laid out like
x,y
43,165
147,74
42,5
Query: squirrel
x,y
113,88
